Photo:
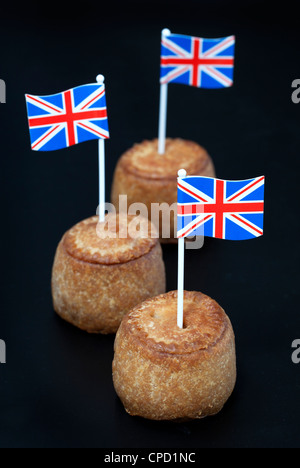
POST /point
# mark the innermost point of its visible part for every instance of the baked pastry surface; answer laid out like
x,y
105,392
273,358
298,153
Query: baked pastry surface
x,y
162,372
148,177
97,279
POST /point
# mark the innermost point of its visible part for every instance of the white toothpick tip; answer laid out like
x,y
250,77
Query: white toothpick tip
x,y
182,173
100,79
166,32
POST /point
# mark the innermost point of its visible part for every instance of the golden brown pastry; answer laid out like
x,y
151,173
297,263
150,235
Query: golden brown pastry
x,y
162,372
148,177
97,279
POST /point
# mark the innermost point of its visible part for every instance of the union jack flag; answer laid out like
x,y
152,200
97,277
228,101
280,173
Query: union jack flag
x,y
232,210
67,118
204,63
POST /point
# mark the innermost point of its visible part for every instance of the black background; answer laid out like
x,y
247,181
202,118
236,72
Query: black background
x,y
56,388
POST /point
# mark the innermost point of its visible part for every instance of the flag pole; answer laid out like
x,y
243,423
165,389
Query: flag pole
x,y
180,286
101,157
163,107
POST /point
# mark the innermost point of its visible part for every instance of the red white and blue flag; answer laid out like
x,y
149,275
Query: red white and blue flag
x,y
204,63
67,118
232,210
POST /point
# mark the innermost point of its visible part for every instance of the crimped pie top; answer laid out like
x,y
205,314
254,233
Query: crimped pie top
x,y
154,324
88,240
144,161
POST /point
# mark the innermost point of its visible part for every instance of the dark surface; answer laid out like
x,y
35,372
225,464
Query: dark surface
x,y
56,388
